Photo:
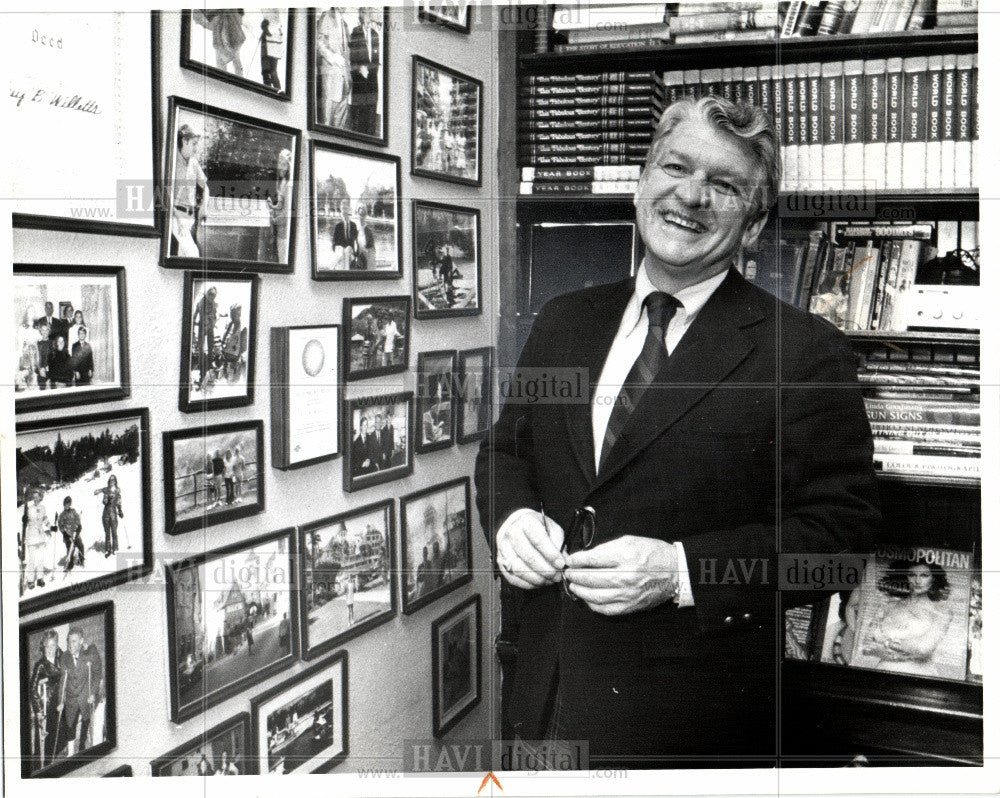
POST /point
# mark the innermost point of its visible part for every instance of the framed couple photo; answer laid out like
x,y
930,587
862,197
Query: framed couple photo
x,y
376,336
435,400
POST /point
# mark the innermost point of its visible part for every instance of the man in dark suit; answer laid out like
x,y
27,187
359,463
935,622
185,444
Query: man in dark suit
x,y
50,319
365,58
363,458
637,531
345,238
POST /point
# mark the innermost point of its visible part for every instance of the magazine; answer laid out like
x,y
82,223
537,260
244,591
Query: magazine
x,y
974,671
798,625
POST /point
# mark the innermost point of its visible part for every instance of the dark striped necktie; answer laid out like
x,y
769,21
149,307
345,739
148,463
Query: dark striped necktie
x,y
660,309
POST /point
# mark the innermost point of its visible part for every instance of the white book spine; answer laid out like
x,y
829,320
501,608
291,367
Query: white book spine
x,y
894,129
875,123
833,123
802,107
935,64
854,125
815,151
790,154
963,143
915,122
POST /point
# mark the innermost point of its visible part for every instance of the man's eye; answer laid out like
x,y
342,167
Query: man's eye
x,y
726,187
672,168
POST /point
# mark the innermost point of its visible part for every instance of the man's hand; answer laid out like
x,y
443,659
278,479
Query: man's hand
x,y
527,554
625,575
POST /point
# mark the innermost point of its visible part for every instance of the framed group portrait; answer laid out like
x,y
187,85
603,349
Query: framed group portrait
x,y
212,474
447,269
378,445
456,664
356,214
435,400
83,488
219,751
218,341
301,726
231,620
451,14
231,184
346,567
347,67
376,336
474,394
70,333
447,124
248,47
68,692
435,541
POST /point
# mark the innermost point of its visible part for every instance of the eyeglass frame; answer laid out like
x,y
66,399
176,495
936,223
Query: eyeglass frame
x,y
579,526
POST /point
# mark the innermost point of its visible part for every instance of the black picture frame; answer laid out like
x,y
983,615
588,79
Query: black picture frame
x,y
243,431
335,666
38,466
238,192
236,360
427,140
367,130
213,71
427,13
337,162
474,398
269,564
435,428
447,715
365,559
239,724
439,231
96,622
122,771
357,476
27,278
149,184
422,575
364,337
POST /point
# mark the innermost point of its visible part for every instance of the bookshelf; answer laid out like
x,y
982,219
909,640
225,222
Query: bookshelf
x,y
829,713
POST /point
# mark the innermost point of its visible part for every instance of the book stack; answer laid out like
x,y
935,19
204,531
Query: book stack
x,y
608,27
702,23
865,17
579,179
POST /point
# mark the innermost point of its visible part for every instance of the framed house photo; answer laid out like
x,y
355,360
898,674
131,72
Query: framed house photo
x,y
232,620
435,400
231,185
347,68
447,124
356,214
456,664
83,487
70,333
68,693
84,111
378,445
212,474
474,394
436,542
219,751
447,271
218,341
376,336
451,14
305,395
248,47
346,567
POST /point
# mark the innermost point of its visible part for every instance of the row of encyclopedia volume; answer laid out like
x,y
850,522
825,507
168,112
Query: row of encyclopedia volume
x,y
860,125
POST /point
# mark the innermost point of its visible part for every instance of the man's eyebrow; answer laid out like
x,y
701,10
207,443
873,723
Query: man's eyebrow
x,y
715,170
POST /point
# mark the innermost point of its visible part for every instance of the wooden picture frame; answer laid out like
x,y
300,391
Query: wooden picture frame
x,y
257,578
435,400
434,563
441,14
96,365
369,324
232,733
378,458
446,248
76,460
474,396
457,670
187,454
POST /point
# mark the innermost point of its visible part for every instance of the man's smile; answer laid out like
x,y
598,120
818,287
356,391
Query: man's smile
x,y
679,219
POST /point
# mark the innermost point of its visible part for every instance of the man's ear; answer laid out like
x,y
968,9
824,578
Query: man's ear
x,y
754,229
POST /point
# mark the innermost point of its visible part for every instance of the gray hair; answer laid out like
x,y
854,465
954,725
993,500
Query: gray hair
x,y
746,122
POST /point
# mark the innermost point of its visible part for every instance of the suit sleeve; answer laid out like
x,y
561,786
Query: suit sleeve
x,y
827,499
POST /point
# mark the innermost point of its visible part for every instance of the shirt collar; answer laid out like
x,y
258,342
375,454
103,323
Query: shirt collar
x,y
692,298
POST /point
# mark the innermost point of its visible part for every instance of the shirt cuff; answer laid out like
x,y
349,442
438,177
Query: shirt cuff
x,y
684,597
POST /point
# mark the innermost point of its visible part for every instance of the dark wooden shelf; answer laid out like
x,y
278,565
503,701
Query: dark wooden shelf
x,y
908,337
968,483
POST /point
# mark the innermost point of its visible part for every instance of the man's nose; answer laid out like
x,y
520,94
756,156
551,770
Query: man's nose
x,y
692,191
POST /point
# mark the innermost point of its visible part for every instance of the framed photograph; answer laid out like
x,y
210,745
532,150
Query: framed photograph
x,y
231,183
379,439
356,214
456,663
218,341
122,771
219,751
377,336
83,500
68,696
447,133
347,68
301,726
447,270
232,620
474,395
248,47
436,542
346,565
305,395
70,336
451,14
84,110
212,474
435,400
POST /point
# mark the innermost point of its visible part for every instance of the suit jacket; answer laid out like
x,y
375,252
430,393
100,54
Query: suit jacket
x,y
756,413
365,90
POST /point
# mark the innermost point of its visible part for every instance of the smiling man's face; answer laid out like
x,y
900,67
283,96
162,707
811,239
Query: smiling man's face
x,y
694,204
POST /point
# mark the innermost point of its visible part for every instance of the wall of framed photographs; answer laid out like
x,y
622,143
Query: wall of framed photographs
x,y
365,238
